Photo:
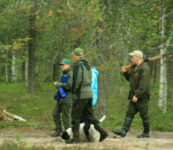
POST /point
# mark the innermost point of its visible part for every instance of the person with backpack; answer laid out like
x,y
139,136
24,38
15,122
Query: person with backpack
x,y
64,98
82,97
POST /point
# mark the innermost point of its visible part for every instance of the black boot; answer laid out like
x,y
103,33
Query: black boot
x,y
86,131
103,133
75,139
122,132
145,134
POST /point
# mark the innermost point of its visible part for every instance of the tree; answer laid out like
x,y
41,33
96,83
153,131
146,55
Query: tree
x,y
13,67
32,47
163,85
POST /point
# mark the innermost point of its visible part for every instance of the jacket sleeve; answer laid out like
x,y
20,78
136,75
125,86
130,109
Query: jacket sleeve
x,y
143,83
127,75
68,85
77,77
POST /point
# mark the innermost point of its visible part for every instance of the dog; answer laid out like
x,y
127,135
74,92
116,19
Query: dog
x,y
87,132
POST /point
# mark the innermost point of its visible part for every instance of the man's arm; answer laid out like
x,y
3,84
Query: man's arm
x,y
77,77
126,74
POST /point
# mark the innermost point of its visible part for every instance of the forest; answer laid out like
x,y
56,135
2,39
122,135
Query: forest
x,y
35,35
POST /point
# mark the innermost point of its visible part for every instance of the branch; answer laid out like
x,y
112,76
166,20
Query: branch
x,y
68,4
142,3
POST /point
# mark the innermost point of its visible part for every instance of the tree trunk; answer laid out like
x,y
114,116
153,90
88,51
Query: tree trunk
x,y
163,70
23,71
26,73
13,67
6,69
32,49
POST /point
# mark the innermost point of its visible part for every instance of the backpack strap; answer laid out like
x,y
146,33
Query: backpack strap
x,y
75,75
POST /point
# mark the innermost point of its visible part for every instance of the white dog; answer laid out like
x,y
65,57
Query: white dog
x,y
86,130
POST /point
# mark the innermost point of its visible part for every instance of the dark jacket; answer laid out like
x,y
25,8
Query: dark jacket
x,y
68,86
82,80
139,78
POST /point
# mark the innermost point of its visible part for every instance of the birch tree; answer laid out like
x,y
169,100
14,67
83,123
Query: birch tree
x,y
13,67
163,87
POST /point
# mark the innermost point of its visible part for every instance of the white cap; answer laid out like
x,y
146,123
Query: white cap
x,y
136,53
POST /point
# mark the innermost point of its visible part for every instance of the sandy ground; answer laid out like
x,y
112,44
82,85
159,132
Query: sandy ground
x,y
157,141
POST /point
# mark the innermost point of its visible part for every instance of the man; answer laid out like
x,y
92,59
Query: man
x,y
64,105
82,100
139,78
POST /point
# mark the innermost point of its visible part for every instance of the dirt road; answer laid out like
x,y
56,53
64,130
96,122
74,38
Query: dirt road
x,y
157,141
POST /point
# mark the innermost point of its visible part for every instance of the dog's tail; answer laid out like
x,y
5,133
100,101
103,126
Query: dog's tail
x,y
103,118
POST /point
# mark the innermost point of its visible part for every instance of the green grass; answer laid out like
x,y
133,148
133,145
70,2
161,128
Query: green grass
x,y
10,145
37,108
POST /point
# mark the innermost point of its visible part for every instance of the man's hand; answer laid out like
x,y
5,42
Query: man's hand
x,y
123,69
54,83
57,84
134,99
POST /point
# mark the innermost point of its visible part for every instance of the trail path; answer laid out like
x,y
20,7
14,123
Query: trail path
x,y
157,141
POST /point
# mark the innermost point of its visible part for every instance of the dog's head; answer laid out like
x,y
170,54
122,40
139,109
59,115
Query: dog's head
x,y
65,136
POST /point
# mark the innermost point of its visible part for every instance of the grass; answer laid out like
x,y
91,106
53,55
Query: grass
x,y
37,108
10,145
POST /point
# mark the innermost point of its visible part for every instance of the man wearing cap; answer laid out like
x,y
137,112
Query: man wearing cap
x,y
139,78
82,100
64,105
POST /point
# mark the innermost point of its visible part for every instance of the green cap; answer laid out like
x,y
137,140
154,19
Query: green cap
x,y
78,52
66,61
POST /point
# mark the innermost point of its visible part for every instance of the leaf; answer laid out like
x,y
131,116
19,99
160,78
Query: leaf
x,y
59,11
74,29
50,13
99,30
83,29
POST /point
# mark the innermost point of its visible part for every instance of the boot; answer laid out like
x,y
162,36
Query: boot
x,y
145,134
58,128
57,133
103,133
75,139
123,131
86,131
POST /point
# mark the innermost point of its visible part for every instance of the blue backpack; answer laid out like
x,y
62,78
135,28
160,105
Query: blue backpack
x,y
94,85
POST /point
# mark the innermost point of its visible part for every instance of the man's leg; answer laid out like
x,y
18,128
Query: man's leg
x,y
56,117
86,131
66,114
90,118
132,110
143,110
77,113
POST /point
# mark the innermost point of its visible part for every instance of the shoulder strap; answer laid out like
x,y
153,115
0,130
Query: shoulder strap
x,y
82,74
